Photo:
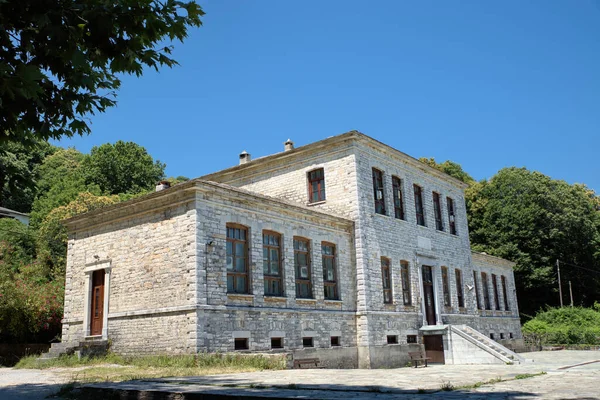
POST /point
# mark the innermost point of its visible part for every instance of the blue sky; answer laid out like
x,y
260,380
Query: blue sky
x,y
485,84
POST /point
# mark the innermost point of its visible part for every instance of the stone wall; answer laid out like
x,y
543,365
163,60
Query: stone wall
x,y
151,253
224,316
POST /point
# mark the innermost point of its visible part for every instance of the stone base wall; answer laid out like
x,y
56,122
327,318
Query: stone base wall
x,y
218,328
392,356
335,357
169,333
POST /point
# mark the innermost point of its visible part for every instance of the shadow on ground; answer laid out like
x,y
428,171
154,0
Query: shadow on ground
x,y
219,388
30,391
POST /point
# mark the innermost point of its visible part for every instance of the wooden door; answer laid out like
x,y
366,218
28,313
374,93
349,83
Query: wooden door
x,y
428,295
434,348
97,311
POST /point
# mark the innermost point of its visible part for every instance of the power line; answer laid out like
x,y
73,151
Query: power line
x,y
580,267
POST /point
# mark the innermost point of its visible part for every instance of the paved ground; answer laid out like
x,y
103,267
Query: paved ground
x,y
574,382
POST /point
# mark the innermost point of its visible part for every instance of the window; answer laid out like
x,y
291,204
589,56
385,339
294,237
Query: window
x,y
411,338
496,298
476,286
329,274
307,342
491,336
387,280
272,263
335,341
237,259
302,267
405,273
504,292
419,205
437,210
240,343
378,191
398,198
392,339
276,343
446,287
510,335
459,288
451,215
316,185
501,336
486,291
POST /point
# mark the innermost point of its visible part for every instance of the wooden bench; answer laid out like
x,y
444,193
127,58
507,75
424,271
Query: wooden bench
x,y
300,363
418,357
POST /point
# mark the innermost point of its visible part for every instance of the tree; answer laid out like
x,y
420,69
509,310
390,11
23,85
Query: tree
x,y
534,220
449,167
60,180
59,61
18,176
124,167
52,234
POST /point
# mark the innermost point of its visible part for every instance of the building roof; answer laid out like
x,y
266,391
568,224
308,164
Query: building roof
x,y
9,212
333,141
131,207
484,257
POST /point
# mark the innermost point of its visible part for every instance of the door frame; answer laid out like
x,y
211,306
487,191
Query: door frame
x,y
87,315
431,262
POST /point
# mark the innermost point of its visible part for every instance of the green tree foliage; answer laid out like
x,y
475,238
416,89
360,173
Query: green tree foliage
x,y
534,220
52,234
18,177
566,325
59,61
124,167
450,167
60,181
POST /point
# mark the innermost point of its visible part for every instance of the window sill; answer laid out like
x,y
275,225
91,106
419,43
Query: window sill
x,y
305,300
331,301
276,299
239,296
316,203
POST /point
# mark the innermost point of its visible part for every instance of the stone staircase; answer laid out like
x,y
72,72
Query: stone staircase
x,y
89,347
489,345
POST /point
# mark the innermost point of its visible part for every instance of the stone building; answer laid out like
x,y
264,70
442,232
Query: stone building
x,y
344,249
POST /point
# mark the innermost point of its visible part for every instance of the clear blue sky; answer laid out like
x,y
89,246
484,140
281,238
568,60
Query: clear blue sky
x,y
485,84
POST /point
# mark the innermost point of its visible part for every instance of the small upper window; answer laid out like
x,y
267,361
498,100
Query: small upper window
x,y
419,205
316,185
398,198
437,210
378,191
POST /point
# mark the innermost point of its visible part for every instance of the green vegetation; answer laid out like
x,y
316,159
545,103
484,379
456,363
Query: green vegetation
x,y
54,184
526,376
113,367
565,326
59,65
447,387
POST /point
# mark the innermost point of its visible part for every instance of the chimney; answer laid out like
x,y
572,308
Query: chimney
x,y
162,185
288,145
245,157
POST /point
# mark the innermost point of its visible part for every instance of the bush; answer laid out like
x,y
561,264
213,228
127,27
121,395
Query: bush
x,y
566,325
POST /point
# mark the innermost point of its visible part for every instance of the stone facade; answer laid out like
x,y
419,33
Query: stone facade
x,y
165,257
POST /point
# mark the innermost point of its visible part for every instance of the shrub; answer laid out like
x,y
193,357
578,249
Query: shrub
x,y
566,325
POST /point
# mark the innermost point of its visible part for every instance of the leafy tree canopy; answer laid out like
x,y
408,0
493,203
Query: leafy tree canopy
x,y
534,220
18,176
124,167
59,61
450,167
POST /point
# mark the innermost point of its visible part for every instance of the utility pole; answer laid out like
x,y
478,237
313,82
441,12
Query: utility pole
x,y
571,292
559,286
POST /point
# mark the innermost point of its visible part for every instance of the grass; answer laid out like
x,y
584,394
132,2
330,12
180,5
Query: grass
x,y
447,387
115,368
525,376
